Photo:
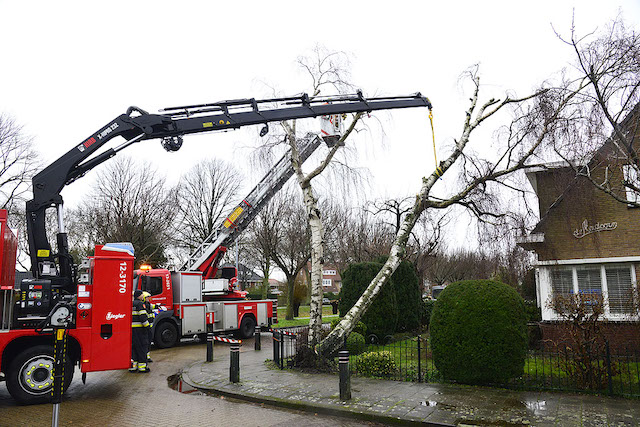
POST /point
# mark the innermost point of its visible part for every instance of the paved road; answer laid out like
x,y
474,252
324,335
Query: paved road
x,y
116,398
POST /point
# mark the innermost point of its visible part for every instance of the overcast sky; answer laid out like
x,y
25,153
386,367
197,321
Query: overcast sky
x,y
68,68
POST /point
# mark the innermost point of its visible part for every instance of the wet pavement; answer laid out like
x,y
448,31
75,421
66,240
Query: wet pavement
x,y
119,398
404,402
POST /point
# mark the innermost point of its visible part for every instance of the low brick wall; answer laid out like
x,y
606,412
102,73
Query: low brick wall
x,y
623,337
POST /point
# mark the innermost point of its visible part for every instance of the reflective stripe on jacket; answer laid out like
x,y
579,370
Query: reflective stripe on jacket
x,y
139,317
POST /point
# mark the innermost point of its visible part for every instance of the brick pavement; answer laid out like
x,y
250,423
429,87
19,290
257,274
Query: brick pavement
x,y
118,398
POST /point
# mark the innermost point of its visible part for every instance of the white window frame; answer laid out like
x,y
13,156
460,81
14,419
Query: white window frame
x,y
329,273
326,283
546,289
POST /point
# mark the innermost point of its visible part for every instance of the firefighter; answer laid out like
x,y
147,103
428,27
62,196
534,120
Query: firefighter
x,y
140,335
150,308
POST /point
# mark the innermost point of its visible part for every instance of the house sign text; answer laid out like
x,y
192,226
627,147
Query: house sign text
x,y
586,229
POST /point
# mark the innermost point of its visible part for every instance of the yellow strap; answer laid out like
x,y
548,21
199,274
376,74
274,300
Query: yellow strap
x,y
433,135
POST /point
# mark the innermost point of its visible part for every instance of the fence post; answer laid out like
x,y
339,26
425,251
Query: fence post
x,y
210,347
610,379
276,348
234,367
345,375
419,362
258,344
282,337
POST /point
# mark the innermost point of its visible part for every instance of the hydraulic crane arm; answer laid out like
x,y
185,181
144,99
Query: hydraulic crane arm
x,y
170,126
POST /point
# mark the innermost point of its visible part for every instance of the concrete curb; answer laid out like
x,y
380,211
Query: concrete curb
x,y
304,406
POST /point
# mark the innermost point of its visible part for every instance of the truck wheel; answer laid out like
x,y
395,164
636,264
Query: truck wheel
x,y
247,327
30,375
166,335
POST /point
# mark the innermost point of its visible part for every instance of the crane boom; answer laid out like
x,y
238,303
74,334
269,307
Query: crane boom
x,y
175,122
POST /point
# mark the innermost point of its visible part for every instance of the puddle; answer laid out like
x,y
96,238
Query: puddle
x,y
439,405
175,383
538,407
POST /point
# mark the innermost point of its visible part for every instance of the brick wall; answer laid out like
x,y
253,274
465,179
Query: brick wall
x,y
623,337
582,201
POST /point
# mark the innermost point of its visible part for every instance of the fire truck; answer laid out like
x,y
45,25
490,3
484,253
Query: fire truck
x,y
91,300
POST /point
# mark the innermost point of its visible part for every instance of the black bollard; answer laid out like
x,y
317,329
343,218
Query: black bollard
x,y
210,347
234,367
257,345
345,376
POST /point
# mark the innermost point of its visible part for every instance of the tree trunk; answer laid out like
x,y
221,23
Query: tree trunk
x,y
317,261
291,283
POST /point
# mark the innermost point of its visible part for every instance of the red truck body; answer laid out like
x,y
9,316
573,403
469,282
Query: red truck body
x,y
101,337
196,306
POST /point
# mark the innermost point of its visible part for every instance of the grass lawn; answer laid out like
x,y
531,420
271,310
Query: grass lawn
x,y
304,311
298,321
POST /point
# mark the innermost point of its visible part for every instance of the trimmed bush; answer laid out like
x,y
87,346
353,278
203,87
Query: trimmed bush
x,y
382,316
375,364
355,343
406,286
479,332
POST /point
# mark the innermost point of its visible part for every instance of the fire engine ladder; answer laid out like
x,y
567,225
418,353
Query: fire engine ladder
x,y
247,210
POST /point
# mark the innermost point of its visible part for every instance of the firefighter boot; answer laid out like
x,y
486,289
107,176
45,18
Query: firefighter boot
x,y
149,358
143,369
134,367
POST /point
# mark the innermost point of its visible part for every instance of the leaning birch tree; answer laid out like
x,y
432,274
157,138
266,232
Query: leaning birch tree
x,y
535,123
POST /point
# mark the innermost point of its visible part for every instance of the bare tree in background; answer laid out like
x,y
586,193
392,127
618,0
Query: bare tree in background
x,y
19,162
205,196
358,237
291,250
262,239
393,208
132,203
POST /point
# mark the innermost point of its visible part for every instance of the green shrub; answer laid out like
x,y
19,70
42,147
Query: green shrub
x,y
427,309
406,286
534,314
375,364
382,316
355,343
479,332
334,323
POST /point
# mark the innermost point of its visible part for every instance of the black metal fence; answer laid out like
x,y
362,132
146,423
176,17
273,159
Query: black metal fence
x,y
284,347
547,368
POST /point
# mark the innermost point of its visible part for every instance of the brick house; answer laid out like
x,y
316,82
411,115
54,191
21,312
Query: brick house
x,y
331,280
587,242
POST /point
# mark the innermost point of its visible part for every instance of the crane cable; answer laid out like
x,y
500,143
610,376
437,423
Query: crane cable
x,y
433,135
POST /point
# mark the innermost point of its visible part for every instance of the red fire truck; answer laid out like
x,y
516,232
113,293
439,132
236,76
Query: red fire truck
x,y
92,300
